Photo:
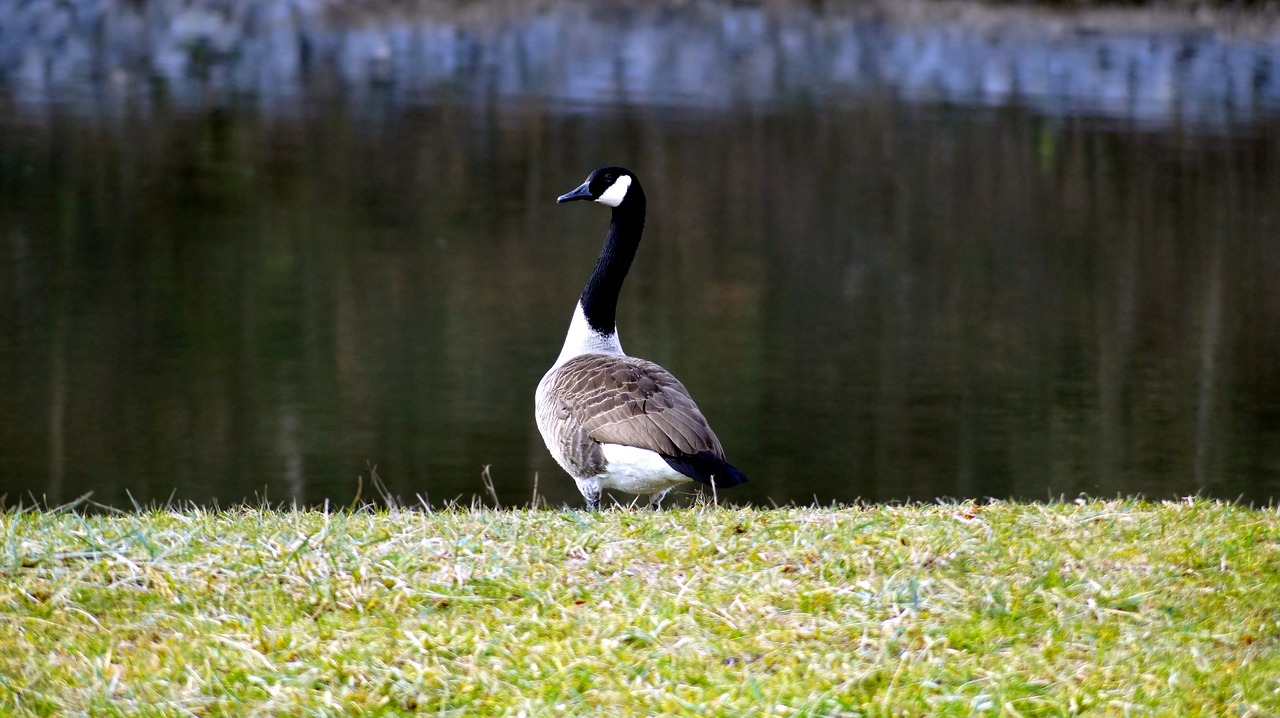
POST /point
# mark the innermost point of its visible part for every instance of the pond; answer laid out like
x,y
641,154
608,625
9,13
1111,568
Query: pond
x,y
248,256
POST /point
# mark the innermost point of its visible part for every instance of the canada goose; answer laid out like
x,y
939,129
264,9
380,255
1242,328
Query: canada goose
x,y
610,420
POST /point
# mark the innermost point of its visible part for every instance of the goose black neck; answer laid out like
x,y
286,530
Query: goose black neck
x,y
600,297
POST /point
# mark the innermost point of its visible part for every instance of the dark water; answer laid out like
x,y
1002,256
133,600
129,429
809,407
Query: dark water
x,y
212,292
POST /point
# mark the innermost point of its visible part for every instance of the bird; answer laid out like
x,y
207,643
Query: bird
x,y
613,421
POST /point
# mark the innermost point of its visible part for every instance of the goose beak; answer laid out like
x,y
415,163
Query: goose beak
x,y
583,191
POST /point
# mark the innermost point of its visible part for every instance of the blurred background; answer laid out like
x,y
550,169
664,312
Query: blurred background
x,y
266,249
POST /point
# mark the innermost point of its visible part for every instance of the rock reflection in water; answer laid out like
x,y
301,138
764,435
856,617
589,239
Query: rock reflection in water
x,y
1160,68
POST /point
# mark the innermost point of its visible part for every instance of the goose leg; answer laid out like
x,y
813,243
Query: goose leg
x,y
591,492
655,499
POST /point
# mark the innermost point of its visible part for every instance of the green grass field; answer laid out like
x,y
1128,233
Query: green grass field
x,y
1018,609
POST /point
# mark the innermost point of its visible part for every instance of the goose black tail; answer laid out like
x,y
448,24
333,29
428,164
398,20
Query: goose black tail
x,y
704,465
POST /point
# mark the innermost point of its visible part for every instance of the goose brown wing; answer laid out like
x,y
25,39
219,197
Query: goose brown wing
x,y
633,402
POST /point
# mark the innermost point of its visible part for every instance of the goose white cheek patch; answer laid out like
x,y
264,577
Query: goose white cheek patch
x,y
613,196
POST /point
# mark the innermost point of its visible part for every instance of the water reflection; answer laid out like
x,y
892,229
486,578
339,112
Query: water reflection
x,y
881,301
1154,67
263,250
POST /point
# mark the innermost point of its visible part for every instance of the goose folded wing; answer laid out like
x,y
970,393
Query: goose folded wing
x,y
633,402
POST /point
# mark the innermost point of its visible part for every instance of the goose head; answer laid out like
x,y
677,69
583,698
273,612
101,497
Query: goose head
x,y
606,185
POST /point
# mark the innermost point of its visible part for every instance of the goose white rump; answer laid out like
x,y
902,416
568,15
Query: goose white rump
x,y
637,471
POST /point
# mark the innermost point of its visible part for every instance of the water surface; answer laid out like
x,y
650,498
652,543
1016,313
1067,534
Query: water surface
x,y
875,292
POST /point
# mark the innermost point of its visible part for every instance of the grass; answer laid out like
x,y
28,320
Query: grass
x,y
1019,609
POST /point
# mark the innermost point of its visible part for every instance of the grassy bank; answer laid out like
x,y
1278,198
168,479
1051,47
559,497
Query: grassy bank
x,y
1096,607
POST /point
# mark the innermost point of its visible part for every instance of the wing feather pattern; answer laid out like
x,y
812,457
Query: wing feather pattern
x,y
596,399
633,402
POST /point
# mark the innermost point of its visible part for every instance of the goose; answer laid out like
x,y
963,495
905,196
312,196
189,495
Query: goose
x,y
610,420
